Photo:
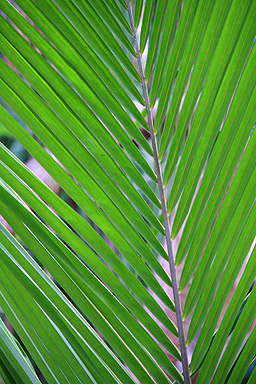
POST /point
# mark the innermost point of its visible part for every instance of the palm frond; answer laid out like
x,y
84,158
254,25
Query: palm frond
x,y
85,287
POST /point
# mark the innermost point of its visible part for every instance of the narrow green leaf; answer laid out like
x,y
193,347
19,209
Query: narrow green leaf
x,y
69,185
77,245
200,22
82,69
96,243
228,262
146,23
94,263
111,20
26,333
138,5
77,39
223,161
97,36
198,73
172,65
117,341
16,356
68,152
65,181
117,13
43,303
165,19
244,322
103,301
95,33
235,343
67,99
223,332
155,36
82,87
8,374
235,193
239,212
213,93
75,125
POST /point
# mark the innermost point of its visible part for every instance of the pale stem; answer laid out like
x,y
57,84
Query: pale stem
x,y
183,348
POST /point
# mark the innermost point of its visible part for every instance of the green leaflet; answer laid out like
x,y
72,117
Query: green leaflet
x,y
224,158
74,75
85,284
82,228
235,243
145,28
233,308
213,29
137,12
171,68
220,84
14,357
77,126
155,35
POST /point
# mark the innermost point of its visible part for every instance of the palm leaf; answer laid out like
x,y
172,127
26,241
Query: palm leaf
x,y
86,289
